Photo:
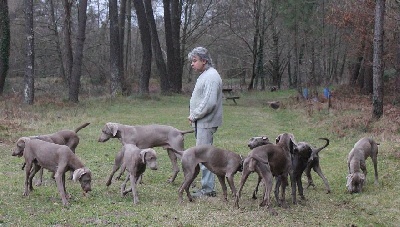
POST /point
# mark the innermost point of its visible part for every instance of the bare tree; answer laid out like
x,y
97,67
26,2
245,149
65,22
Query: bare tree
x,y
115,51
4,43
67,39
145,37
77,64
158,55
121,33
172,23
29,78
378,66
397,61
57,40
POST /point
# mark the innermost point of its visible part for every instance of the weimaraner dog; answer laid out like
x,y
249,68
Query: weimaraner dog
x,y
223,163
258,141
270,160
148,136
64,137
135,160
56,158
306,157
364,148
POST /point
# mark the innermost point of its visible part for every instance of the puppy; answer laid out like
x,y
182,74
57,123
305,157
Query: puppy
x,y
135,160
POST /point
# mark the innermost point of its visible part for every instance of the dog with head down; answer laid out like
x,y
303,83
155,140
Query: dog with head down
x,y
364,148
55,158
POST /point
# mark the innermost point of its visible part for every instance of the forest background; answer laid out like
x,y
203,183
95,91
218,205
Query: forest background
x,y
67,62
96,47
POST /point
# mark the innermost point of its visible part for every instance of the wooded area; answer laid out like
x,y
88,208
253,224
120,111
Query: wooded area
x,y
123,47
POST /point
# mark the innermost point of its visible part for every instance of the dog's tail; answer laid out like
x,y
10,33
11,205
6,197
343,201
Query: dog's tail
x,y
178,152
81,127
315,152
187,131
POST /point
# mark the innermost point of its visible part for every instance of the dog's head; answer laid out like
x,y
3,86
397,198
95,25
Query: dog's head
x,y
20,146
109,130
149,157
355,182
303,149
258,141
286,141
85,178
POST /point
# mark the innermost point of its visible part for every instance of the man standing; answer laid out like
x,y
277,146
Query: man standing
x,y
205,110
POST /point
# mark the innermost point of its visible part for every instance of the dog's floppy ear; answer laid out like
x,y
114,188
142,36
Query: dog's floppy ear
x,y
278,138
78,173
348,183
22,141
113,128
292,139
143,154
20,146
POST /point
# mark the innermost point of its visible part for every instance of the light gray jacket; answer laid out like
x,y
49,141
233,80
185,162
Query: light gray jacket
x,y
206,100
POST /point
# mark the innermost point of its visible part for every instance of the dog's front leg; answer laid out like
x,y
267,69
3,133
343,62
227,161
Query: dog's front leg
x,y
28,168
134,190
231,184
61,187
223,186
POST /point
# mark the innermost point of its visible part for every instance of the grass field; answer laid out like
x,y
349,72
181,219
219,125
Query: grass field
x,y
344,123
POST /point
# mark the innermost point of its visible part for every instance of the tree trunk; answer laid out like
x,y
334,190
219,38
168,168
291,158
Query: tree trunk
x,y
158,55
57,39
29,78
67,40
121,25
397,65
77,65
275,66
4,43
172,23
377,99
115,78
176,76
145,37
253,81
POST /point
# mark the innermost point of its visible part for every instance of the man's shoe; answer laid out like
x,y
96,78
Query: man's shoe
x,y
211,194
200,194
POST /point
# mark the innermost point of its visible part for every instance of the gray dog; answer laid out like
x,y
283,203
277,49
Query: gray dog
x,y
364,148
271,160
135,160
148,136
258,141
223,163
305,158
69,138
55,158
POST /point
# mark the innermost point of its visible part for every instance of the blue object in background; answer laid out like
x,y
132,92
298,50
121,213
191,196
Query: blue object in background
x,y
305,93
327,93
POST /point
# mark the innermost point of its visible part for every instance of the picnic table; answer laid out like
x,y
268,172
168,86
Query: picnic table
x,y
228,95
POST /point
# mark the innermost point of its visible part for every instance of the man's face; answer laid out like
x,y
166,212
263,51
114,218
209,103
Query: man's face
x,y
198,64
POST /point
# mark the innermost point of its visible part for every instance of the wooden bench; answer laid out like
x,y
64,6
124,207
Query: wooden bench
x,y
227,94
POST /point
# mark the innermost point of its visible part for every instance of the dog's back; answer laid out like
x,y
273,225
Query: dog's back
x,y
217,160
276,157
132,159
48,155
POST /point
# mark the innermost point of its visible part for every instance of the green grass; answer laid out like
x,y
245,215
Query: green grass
x,y
159,206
